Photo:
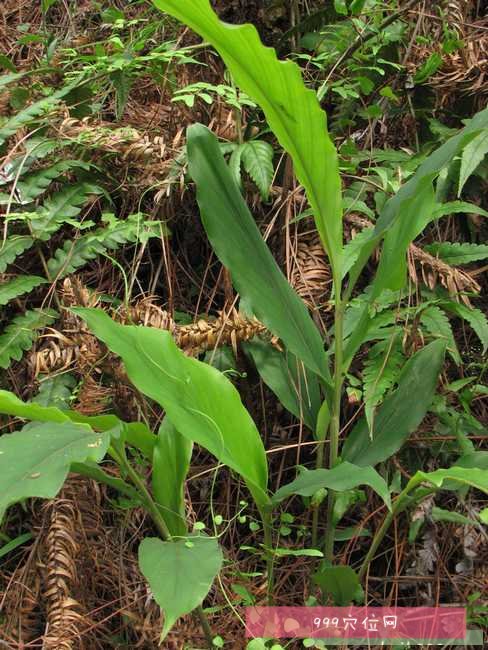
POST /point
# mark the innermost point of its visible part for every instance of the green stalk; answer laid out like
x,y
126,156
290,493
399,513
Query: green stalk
x,y
335,422
397,507
119,456
315,518
266,518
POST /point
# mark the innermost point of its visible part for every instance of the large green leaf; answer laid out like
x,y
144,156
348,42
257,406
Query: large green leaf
x,y
200,401
292,111
296,388
401,412
135,433
237,241
171,461
445,478
179,573
392,269
35,461
427,172
342,477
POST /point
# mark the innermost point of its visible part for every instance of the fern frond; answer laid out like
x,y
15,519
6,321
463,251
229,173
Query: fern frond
x,y
35,184
19,286
475,317
20,334
235,164
12,247
257,159
437,323
61,206
75,254
380,372
457,253
30,113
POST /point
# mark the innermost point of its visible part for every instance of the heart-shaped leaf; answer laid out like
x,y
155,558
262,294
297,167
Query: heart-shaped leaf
x,y
179,573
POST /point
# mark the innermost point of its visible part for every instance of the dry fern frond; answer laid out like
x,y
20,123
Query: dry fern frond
x,y
74,347
64,619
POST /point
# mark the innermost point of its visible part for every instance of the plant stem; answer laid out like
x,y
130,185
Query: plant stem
x,y
153,510
268,543
315,518
397,507
335,422
147,500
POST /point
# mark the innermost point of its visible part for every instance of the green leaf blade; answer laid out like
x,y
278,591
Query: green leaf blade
x,y
201,402
242,250
292,111
35,462
180,575
399,415
344,476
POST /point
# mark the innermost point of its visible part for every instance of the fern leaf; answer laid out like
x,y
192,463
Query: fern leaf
x,y
380,372
475,317
75,254
353,248
257,158
30,113
63,205
437,323
18,286
12,248
21,333
457,253
35,184
235,164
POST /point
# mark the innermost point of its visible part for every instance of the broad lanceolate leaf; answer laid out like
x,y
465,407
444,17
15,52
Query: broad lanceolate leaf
x,y
427,172
292,111
179,573
18,286
34,462
399,415
171,461
296,388
457,253
345,476
473,155
445,478
20,333
201,402
416,211
135,433
237,241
